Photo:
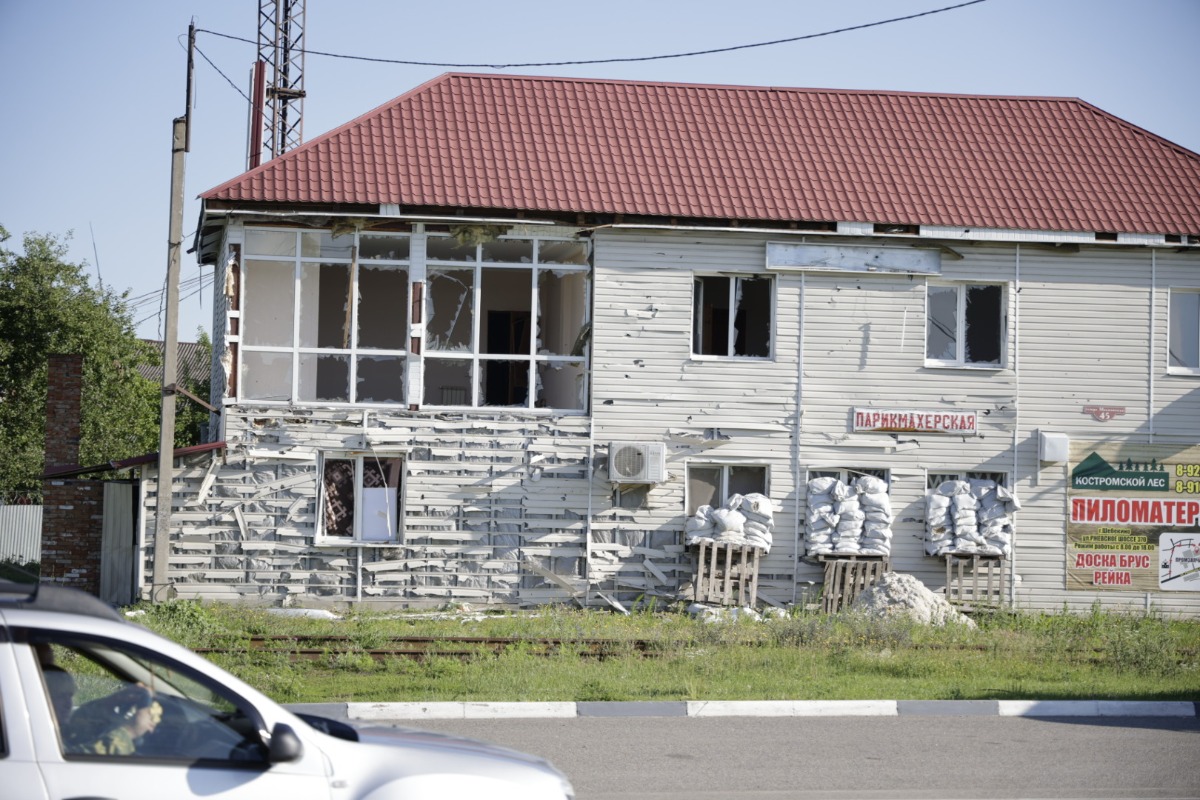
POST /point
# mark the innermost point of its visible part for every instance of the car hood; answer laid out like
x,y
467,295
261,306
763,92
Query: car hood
x,y
410,737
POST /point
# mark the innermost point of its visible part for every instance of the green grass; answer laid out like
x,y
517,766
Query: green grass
x,y
802,657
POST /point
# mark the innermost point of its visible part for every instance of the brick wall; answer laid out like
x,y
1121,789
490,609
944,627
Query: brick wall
x,y
73,510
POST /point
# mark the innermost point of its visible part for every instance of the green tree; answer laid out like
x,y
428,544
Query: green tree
x,y
48,306
196,378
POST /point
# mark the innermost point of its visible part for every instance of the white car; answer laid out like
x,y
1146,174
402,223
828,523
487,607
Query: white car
x,y
93,706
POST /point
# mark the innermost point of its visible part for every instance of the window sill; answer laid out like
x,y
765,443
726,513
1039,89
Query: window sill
x,y
726,359
342,543
971,367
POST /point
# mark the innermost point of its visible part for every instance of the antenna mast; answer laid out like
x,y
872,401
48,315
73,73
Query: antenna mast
x,y
281,104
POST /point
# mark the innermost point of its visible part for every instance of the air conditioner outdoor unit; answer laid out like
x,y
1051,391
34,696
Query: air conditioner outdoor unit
x,y
636,462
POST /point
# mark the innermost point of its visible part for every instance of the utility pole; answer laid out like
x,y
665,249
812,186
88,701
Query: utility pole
x,y
180,132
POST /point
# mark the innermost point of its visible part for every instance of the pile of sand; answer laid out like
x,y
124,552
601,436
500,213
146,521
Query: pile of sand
x,y
896,594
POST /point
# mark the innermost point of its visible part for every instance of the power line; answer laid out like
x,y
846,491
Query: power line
x,y
609,60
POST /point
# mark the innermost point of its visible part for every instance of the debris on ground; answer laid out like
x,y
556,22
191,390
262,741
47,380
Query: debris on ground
x,y
897,594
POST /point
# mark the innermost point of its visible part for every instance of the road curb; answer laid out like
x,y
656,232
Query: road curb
x,y
397,712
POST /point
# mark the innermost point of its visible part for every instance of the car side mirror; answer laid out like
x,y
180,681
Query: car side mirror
x,y
285,745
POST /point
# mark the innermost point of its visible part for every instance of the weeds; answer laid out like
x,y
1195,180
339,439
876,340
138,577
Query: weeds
x,y
659,653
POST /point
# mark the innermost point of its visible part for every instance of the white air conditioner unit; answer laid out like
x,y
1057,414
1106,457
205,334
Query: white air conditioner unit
x,y
636,462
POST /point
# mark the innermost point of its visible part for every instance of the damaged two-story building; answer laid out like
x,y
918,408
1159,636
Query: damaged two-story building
x,y
499,339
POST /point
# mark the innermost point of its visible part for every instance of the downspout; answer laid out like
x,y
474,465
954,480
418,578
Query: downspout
x,y
1153,333
796,542
1012,561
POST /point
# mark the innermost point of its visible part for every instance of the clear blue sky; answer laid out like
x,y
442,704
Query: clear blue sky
x,y
89,88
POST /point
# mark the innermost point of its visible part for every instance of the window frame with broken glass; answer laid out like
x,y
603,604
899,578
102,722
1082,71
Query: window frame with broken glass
x,y
710,314
527,301
949,343
325,320
375,487
317,327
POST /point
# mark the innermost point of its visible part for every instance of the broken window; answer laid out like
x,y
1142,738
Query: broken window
x,y
732,316
361,498
965,324
848,475
1184,344
501,328
936,479
713,484
325,317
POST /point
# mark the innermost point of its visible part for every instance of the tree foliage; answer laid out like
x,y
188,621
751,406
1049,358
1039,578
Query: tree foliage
x,y
48,306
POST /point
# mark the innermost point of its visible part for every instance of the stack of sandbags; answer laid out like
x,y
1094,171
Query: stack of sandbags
x,y
969,518
876,507
939,520
996,506
744,520
760,519
848,534
822,519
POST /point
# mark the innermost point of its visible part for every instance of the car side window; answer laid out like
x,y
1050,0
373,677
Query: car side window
x,y
113,701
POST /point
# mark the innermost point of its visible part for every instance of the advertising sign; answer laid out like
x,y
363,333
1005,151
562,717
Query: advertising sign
x,y
962,423
1134,519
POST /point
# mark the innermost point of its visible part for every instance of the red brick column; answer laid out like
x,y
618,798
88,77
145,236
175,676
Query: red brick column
x,y
73,510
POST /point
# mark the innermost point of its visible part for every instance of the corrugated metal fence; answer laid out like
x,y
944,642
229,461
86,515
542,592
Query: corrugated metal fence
x,y
21,533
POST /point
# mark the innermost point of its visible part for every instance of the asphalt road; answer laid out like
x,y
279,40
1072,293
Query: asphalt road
x,y
780,758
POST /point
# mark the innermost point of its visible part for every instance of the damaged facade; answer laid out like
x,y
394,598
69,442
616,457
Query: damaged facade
x,y
498,340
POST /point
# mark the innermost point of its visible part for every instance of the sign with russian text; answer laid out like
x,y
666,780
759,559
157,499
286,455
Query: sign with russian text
x,y
909,421
1133,518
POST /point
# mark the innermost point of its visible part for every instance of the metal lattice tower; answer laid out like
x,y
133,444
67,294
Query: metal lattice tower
x,y
281,50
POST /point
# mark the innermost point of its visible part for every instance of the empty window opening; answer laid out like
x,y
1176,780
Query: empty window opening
x,y
849,475
745,332
965,324
936,479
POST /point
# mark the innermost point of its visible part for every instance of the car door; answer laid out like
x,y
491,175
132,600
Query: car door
x,y
137,725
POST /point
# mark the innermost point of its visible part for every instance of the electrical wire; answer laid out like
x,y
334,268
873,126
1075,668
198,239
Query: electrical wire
x,y
631,59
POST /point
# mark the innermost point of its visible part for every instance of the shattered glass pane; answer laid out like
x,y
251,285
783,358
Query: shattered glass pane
x,y
562,311
267,314
941,331
505,383
374,246
984,325
382,307
1184,344
562,384
710,316
505,299
512,251
562,253
324,378
270,243
380,379
447,382
266,376
753,320
325,305
445,248
323,244
449,301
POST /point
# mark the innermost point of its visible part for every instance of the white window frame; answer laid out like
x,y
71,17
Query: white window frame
x,y
1182,328
849,475
356,539
534,359
731,328
1001,478
295,351
723,489
960,320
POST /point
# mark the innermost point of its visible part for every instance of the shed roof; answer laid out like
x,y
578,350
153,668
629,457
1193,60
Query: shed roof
x,y
559,145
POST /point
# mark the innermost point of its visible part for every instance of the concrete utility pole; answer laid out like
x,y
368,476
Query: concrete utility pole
x,y
180,132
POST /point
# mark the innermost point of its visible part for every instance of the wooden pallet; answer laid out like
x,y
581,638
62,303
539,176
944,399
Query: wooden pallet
x,y
846,576
975,581
726,574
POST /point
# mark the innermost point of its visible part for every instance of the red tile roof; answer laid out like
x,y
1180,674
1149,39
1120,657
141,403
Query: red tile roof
x,y
556,145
